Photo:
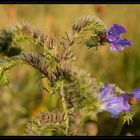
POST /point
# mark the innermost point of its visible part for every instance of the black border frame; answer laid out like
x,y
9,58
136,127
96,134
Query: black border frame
x,y
70,2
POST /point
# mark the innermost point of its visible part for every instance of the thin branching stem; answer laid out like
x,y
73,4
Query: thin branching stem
x,y
64,106
119,127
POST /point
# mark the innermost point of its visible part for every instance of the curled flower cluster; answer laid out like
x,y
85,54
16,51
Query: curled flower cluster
x,y
117,104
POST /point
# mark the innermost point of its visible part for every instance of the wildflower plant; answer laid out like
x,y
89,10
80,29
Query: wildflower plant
x,y
80,97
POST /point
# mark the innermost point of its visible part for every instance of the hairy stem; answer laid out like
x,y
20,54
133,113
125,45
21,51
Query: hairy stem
x,y
64,106
119,127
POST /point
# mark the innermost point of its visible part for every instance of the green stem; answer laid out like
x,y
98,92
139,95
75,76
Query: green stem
x,y
64,107
119,127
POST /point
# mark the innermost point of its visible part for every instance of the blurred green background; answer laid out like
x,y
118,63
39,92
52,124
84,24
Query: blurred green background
x,y
23,98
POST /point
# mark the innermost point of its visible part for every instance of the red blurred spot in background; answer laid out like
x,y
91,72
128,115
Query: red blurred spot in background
x,y
11,12
100,9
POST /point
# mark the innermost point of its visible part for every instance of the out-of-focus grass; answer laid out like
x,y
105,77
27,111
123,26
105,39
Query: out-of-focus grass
x,y
120,68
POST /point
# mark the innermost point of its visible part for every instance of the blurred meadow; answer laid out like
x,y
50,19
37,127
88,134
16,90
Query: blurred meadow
x,y
24,98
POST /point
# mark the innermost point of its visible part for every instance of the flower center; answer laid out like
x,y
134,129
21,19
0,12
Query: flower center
x,y
132,100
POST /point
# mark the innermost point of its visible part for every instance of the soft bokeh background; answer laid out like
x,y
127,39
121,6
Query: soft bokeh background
x,y
18,103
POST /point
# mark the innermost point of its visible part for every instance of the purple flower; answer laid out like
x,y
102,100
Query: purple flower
x,y
113,36
136,93
132,97
112,103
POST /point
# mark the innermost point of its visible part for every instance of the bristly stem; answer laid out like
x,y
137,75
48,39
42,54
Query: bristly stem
x,y
64,106
119,127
